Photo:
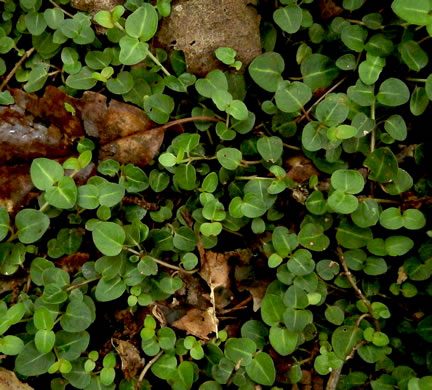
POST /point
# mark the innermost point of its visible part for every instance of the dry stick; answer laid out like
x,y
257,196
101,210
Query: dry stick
x,y
26,55
60,8
147,367
335,375
239,306
186,120
305,115
355,287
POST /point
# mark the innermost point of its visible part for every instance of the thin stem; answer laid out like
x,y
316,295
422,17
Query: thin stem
x,y
157,62
321,98
246,163
44,207
372,141
186,120
415,79
147,367
254,177
26,55
60,8
355,287
78,285
292,147
390,201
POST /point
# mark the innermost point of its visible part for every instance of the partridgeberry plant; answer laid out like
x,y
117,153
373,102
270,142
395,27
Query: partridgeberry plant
x,y
280,238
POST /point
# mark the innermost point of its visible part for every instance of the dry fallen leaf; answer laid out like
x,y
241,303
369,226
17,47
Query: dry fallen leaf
x,y
15,185
9,381
300,169
197,322
329,9
131,361
215,269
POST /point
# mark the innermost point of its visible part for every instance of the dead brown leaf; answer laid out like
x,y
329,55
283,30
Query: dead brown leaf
x,y
131,361
329,9
215,269
9,381
198,27
402,276
300,169
15,185
93,6
197,322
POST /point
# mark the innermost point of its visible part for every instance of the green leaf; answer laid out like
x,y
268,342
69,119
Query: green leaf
x,y
77,317
237,349
301,263
393,92
351,236
43,318
81,80
375,266
361,94
415,13
382,164
272,309
318,71
344,339
366,214
63,195
31,224
31,362
110,194
334,314
413,55
398,245
296,320
226,55
159,107
347,180
395,126
4,223
354,37
266,70
109,238
419,101
109,290
11,345
316,204
229,158
5,97
121,84
312,236
35,23
54,17
142,23
44,340
213,82
413,219
283,241
262,369
270,148
238,110
104,18
184,376
288,18
370,70
283,341
333,110
291,97
185,239
132,50
165,366
185,176
45,172
391,218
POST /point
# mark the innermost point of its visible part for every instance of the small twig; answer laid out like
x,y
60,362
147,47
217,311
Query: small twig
x,y
355,287
320,99
141,202
335,375
147,367
78,285
60,8
239,306
26,55
186,120
292,147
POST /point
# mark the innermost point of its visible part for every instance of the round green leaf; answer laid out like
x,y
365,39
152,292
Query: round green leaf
x,y
81,80
132,50
237,349
229,158
415,13
347,180
109,290
382,164
393,92
45,172
31,224
159,107
351,236
44,340
413,55
283,341
291,97
11,345
77,317
266,70
4,223
391,218
366,214
413,219
63,195
419,101
288,18
31,362
142,23
398,245
334,314
121,84
312,236
109,238
262,369
318,71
